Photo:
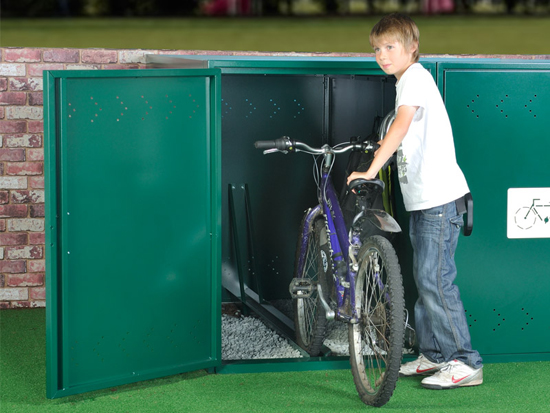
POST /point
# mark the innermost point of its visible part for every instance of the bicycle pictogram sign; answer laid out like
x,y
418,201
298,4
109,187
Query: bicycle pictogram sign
x,y
529,213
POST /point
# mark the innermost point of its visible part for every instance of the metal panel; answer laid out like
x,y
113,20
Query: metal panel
x,y
257,107
499,114
133,226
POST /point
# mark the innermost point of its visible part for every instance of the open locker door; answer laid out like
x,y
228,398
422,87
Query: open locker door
x,y
133,220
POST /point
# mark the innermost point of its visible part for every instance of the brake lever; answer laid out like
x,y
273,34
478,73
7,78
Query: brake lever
x,y
268,151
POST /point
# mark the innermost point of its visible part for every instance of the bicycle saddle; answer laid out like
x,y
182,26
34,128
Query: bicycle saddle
x,y
364,186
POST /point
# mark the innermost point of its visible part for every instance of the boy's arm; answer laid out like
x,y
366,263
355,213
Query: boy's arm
x,y
390,143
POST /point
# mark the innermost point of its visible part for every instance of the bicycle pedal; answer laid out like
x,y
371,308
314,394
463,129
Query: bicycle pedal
x,y
301,288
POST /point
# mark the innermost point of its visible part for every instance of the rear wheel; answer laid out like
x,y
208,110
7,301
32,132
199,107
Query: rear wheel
x,y
309,315
376,342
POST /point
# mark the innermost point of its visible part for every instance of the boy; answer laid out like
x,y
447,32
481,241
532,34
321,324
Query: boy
x,y
432,184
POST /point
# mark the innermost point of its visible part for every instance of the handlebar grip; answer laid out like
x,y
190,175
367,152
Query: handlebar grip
x,y
374,145
265,144
281,144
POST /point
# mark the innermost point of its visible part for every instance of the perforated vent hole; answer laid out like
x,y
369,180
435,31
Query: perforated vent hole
x,y
500,319
470,318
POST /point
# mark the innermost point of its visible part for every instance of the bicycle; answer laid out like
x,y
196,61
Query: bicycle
x,y
348,276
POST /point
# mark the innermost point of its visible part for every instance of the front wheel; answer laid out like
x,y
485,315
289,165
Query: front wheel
x,y
376,341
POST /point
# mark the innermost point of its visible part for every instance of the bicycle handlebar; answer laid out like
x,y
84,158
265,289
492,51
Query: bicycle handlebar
x,y
285,144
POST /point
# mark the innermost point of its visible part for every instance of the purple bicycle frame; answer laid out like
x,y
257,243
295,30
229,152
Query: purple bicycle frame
x,y
339,244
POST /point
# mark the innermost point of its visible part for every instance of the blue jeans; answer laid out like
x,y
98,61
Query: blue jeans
x,y
441,326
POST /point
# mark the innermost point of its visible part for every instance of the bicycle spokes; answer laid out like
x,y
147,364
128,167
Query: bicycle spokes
x,y
311,273
375,310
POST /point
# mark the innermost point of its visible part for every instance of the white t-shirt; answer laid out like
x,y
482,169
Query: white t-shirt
x,y
428,173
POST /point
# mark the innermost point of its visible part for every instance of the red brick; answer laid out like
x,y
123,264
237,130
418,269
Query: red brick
x,y
25,112
13,211
24,252
24,168
2,280
37,293
13,69
13,126
37,238
36,99
13,267
82,67
3,84
22,55
37,265
132,56
99,56
36,126
26,196
25,225
2,112
12,294
26,280
36,182
23,141
31,84
8,238
21,304
37,69
61,55
37,211
12,155
4,305
35,154
13,98
4,197
2,225
28,304
13,182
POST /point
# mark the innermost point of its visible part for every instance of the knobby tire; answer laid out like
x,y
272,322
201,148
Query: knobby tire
x,y
376,342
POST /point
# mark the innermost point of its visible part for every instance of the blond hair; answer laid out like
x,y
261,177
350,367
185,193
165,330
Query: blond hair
x,y
399,27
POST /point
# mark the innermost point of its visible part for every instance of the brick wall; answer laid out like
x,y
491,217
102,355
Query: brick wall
x,y
22,264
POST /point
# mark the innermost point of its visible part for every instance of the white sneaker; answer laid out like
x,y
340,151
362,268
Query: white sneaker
x,y
454,374
420,366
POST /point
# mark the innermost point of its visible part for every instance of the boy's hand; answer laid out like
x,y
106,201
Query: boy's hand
x,y
359,175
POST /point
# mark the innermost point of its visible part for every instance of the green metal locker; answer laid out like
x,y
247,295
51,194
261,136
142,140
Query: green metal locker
x,y
244,208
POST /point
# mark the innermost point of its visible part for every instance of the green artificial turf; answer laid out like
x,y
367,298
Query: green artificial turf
x,y
455,34
510,387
